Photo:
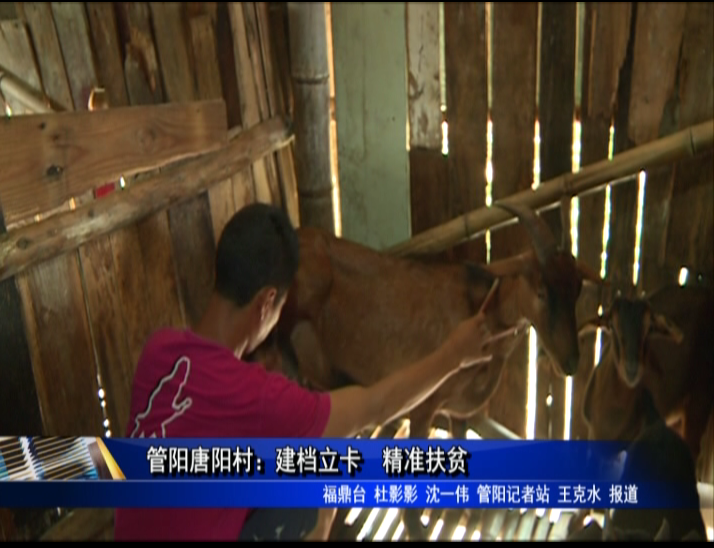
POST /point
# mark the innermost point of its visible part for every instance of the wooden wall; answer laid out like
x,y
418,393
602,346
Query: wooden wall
x,y
569,71
72,327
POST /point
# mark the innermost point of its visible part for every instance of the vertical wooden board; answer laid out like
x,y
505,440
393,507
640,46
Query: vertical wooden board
x,y
428,175
284,159
97,257
657,40
264,104
607,28
20,413
689,237
49,54
467,113
15,50
144,87
190,222
65,372
556,110
423,59
242,183
513,113
105,39
58,331
428,189
248,93
73,31
208,80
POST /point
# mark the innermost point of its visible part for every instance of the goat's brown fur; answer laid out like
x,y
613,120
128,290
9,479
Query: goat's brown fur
x,y
355,315
678,369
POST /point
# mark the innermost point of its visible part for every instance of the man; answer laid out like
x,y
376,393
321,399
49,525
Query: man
x,y
193,383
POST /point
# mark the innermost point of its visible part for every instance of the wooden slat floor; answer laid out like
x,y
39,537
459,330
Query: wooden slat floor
x,y
382,524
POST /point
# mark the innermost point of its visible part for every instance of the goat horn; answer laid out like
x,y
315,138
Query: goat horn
x,y
544,242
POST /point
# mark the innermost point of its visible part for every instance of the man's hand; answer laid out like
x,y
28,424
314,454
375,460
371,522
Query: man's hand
x,y
469,341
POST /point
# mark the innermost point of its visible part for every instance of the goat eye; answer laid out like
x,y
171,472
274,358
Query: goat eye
x,y
541,294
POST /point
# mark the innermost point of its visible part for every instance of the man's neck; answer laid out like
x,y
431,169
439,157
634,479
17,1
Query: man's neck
x,y
225,325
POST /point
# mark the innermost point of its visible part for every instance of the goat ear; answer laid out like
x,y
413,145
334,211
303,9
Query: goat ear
x,y
589,275
664,534
666,328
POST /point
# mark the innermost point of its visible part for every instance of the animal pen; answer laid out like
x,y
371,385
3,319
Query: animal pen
x,y
134,130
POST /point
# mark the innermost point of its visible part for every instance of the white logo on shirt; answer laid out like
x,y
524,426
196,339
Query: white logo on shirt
x,y
179,407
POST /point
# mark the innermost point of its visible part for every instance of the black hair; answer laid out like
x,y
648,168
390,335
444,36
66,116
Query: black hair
x,y
258,248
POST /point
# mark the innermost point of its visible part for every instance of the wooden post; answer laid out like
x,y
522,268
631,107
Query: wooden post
x,y
311,88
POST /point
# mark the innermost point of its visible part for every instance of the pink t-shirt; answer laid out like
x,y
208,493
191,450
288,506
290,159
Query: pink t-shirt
x,y
186,386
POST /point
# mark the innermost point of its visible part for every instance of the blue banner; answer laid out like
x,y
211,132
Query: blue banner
x,y
316,493
307,473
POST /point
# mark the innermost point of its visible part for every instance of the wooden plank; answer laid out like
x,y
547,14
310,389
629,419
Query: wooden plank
x,y
124,307
189,222
20,413
97,268
689,235
105,39
423,61
72,29
654,73
36,242
284,159
243,184
428,172
259,81
49,53
78,150
144,87
208,79
467,113
513,152
15,47
556,109
58,332
607,28
429,193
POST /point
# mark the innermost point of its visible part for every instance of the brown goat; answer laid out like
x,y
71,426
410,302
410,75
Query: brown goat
x,y
354,315
662,344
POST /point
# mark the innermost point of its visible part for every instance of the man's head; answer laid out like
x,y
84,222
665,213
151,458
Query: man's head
x,y
256,260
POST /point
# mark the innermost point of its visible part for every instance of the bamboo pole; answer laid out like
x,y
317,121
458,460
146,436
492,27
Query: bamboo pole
x,y
310,72
176,183
684,143
20,91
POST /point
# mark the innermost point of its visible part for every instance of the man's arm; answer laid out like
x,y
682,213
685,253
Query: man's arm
x,y
354,408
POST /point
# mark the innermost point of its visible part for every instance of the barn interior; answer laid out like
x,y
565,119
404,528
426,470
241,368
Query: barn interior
x,y
132,131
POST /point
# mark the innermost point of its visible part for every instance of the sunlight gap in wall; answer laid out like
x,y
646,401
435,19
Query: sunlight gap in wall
x,y
531,402
336,206
641,182
575,167
489,125
605,240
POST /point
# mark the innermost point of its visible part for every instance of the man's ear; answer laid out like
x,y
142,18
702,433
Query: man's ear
x,y
267,302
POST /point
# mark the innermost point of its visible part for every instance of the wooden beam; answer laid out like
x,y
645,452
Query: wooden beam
x,y
685,143
50,158
66,231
